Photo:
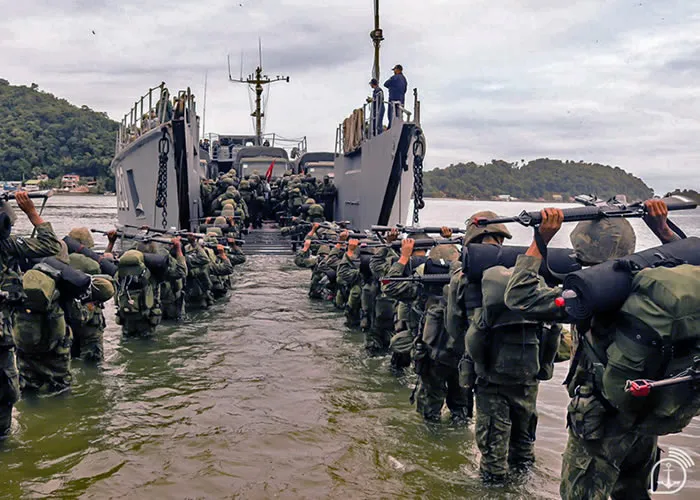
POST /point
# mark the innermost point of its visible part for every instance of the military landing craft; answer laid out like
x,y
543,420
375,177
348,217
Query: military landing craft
x,y
158,163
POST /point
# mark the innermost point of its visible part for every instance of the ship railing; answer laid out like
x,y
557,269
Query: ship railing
x,y
296,146
360,125
153,109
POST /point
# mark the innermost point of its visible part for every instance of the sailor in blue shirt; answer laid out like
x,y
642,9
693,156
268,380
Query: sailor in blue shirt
x,y
397,86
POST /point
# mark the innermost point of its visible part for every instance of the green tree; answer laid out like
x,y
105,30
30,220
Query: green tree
x,y
44,134
541,178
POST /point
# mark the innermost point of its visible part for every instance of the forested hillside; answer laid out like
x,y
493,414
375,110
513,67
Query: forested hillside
x,y
539,178
42,134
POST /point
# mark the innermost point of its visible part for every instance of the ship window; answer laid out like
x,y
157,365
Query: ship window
x,y
138,208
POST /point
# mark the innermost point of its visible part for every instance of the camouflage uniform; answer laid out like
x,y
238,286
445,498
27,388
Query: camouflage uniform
x,y
306,260
604,456
439,375
172,295
43,341
198,294
378,337
329,268
87,321
327,194
406,293
177,269
13,250
350,279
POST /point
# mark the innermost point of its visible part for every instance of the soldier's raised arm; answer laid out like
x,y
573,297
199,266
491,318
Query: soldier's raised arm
x,y
43,245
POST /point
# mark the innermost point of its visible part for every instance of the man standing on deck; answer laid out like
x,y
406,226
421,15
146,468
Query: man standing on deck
x,y
377,101
397,86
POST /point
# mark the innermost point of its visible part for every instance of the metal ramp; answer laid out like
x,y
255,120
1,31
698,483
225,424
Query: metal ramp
x,y
267,241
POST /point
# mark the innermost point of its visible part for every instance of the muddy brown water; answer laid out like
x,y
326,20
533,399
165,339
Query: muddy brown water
x,y
266,395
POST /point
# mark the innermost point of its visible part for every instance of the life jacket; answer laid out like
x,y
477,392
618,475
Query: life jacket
x,y
137,297
657,336
506,346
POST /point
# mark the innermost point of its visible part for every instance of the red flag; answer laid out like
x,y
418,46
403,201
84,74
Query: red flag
x,y
268,174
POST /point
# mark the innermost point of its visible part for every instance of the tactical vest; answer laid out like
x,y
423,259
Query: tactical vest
x,y
504,344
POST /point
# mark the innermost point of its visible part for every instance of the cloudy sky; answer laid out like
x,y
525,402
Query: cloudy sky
x,y
610,81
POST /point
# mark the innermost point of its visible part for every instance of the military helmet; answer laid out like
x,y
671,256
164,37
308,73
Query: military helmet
x,y
7,209
601,240
146,247
226,181
227,202
231,190
62,254
310,201
473,231
287,173
244,184
228,210
323,250
83,236
214,231
220,222
445,252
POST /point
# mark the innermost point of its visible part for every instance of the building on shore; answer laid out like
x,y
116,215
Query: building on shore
x,y
70,181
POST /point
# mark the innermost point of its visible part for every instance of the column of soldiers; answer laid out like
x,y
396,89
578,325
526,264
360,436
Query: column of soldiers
x,y
53,292
482,348
256,198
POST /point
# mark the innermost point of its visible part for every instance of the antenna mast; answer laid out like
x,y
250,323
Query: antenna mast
x,y
377,36
257,79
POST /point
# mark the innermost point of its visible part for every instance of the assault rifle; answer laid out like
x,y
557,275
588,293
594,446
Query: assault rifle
x,y
354,236
642,388
414,229
324,225
10,195
428,279
211,218
135,237
610,209
172,231
423,243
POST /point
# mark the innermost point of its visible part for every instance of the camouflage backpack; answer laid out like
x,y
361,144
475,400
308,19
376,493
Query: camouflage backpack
x,y
657,337
40,324
136,296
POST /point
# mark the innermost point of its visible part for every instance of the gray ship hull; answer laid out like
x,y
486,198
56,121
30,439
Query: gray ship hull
x,y
375,181
136,169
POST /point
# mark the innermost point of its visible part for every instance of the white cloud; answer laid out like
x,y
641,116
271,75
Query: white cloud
x,y
606,81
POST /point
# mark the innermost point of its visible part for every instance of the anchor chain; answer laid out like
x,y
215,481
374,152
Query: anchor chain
x,y
418,154
162,185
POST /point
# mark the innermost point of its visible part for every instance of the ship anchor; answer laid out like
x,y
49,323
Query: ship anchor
x,y
668,483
